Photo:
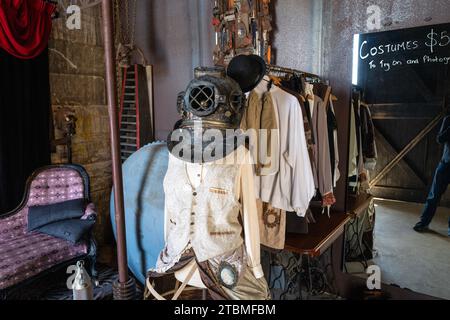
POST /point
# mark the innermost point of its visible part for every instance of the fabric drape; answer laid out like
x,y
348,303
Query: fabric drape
x,y
24,123
25,27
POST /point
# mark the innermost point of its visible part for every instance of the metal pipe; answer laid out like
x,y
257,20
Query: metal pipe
x,y
291,71
107,16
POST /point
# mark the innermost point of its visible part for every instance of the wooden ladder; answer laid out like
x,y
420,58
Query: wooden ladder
x,y
136,109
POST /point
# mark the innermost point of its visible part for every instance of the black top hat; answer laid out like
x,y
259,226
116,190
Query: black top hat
x,y
247,71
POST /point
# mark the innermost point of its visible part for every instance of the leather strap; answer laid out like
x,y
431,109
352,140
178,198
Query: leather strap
x,y
178,292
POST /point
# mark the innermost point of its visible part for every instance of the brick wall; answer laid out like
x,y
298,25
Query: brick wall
x,y
77,81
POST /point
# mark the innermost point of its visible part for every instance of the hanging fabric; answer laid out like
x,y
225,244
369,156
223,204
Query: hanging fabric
x,y
24,123
260,115
332,124
369,147
314,98
292,188
25,26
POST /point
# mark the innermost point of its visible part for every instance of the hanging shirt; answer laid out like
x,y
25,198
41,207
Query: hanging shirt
x,y
369,148
337,174
353,158
307,124
323,175
292,187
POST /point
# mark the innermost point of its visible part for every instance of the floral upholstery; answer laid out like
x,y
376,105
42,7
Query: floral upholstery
x,y
54,186
26,254
29,254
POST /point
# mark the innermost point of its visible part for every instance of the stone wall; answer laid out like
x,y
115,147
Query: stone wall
x,y
77,81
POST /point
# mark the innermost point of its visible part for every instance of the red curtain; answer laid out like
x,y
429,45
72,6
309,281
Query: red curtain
x,y
25,27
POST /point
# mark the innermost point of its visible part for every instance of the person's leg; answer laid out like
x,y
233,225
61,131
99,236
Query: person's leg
x,y
449,226
439,186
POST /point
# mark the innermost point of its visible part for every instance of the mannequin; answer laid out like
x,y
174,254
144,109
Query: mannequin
x,y
211,222
196,172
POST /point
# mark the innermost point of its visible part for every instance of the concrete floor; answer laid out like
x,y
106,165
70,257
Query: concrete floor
x,y
420,262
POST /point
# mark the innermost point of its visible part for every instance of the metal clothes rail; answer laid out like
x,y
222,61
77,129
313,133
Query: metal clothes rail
x,y
273,68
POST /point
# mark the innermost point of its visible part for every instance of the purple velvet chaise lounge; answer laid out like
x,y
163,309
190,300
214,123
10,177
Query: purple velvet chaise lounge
x,y
25,256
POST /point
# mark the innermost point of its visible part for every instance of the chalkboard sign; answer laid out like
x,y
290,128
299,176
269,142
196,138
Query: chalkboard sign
x,y
404,66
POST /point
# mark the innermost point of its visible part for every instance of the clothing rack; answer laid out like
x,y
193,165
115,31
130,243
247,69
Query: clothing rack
x,y
307,75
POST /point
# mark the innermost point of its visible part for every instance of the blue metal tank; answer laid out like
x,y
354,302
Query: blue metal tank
x,y
143,175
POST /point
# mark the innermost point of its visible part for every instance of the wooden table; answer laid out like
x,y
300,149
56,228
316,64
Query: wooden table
x,y
321,236
310,247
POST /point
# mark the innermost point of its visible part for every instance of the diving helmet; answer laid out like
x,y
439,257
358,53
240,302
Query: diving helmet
x,y
211,110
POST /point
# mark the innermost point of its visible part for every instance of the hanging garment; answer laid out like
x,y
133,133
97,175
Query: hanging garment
x,y
309,134
325,144
323,175
308,105
332,127
307,123
292,187
309,96
24,124
25,26
361,172
272,226
293,83
306,109
369,148
353,144
334,141
260,115
361,169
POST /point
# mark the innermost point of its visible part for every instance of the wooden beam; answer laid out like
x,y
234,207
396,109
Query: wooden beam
x,y
422,134
405,111
379,137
